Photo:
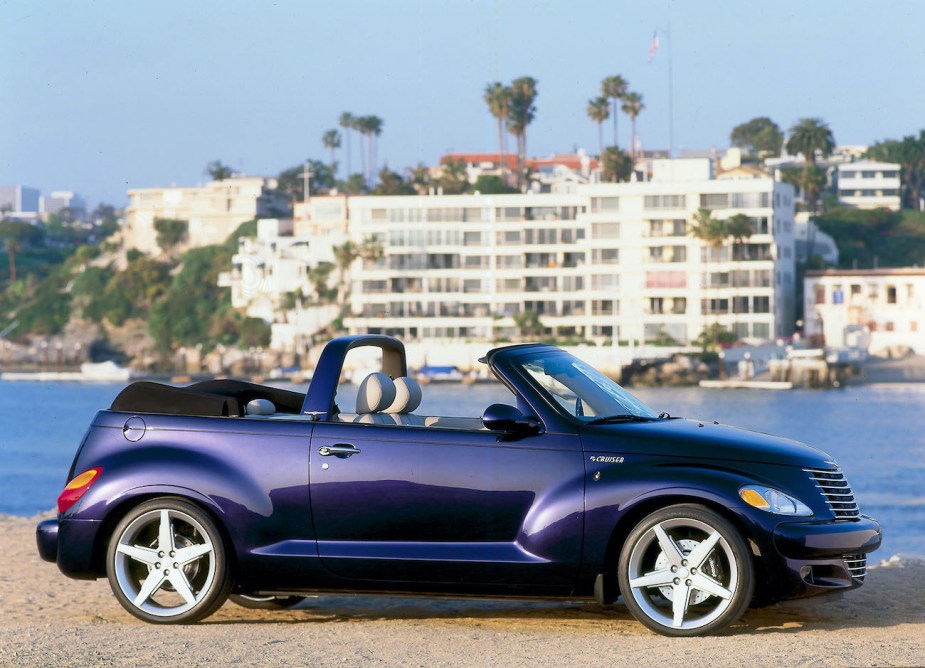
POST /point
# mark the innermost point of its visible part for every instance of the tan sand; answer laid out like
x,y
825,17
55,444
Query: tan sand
x,y
47,619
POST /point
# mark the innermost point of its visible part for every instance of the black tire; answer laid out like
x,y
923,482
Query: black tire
x,y
652,573
167,562
266,602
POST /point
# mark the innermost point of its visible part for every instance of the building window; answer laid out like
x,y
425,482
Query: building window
x,y
605,204
602,307
891,294
604,281
761,304
666,279
605,231
714,201
665,201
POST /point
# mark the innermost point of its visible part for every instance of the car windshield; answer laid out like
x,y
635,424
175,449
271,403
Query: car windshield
x,y
581,390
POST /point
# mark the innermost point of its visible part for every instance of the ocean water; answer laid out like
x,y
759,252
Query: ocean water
x,y
877,434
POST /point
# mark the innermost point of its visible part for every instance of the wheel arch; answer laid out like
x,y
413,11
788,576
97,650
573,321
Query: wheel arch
x,y
636,513
133,500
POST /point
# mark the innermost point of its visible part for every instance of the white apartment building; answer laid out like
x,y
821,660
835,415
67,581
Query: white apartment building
x,y
869,185
213,211
887,303
608,259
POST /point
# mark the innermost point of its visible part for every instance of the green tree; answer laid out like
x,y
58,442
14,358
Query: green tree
x,y
712,232
739,228
318,276
355,185
491,184
292,182
759,136
529,324
170,232
331,141
392,183
614,88
809,136
15,235
372,250
876,238
909,154
344,255
219,171
498,98
616,165
454,179
521,112
632,106
599,111
813,180
420,178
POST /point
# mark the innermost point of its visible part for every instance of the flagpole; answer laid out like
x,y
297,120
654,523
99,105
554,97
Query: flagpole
x,y
670,97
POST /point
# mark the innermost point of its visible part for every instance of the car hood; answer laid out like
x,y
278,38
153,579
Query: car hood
x,y
702,440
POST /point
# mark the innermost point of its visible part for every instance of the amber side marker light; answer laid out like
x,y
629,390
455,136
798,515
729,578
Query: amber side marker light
x,y
77,487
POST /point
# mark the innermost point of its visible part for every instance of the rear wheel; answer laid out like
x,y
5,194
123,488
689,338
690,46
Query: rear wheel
x,y
266,602
685,571
166,563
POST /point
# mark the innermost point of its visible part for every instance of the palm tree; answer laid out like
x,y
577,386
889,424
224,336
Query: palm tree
x,y
812,180
739,228
632,106
614,88
498,98
359,124
344,255
219,171
616,166
709,230
331,141
375,129
520,114
318,276
808,136
599,111
346,122
371,250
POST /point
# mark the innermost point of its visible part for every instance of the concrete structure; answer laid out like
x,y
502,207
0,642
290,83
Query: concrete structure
x,y
213,211
271,279
869,185
843,306
60,200
607,259
20,202
810,240
556,173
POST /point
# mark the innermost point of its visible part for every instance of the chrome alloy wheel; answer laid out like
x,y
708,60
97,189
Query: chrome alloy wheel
x,y
164,562
685,570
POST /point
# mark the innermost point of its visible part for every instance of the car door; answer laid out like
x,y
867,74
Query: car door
x,y
428,504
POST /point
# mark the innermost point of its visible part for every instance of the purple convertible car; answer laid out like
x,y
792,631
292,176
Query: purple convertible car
x,y
183,497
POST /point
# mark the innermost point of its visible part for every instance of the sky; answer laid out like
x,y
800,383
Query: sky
x,y
99,97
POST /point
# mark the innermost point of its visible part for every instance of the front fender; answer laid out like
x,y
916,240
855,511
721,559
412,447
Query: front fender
x,y
620,500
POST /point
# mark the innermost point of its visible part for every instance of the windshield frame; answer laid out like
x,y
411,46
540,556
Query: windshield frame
x,y
603,388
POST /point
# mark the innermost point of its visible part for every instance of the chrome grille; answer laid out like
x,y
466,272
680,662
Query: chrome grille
x,y
857,565
836,491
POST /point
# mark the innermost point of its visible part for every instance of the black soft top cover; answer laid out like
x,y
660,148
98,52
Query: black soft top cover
x,y
210,398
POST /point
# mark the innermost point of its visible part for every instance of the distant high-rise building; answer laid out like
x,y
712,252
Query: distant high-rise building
x,y
20,202
60,200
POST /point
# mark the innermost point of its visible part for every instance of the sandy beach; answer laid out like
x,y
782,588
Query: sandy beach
x,y
48,619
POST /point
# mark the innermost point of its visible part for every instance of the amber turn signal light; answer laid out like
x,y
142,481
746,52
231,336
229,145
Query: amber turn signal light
x,y
77,487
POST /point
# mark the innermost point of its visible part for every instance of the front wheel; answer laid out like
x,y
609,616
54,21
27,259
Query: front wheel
x,y
166,563
685,571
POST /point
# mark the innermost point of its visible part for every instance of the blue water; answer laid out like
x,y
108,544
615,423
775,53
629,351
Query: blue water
x,y
877,434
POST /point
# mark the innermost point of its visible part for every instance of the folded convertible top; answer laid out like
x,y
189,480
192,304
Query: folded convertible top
x,y
211,398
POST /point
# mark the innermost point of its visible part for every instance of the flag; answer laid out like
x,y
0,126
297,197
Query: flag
x,y
653,47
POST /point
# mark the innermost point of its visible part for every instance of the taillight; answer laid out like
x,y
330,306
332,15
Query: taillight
x,y
77,487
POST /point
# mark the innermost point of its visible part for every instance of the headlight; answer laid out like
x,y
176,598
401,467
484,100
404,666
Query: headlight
x,y
773,501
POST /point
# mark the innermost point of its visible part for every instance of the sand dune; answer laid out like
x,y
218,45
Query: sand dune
x,y
47,619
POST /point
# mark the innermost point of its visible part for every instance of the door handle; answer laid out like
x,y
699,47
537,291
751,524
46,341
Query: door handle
x,y
341,450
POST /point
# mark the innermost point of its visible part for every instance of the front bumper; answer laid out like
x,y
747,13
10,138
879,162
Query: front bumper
x,y
824,556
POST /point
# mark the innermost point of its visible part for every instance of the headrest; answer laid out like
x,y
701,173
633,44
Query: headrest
x,y
376,393
408,396
260,407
